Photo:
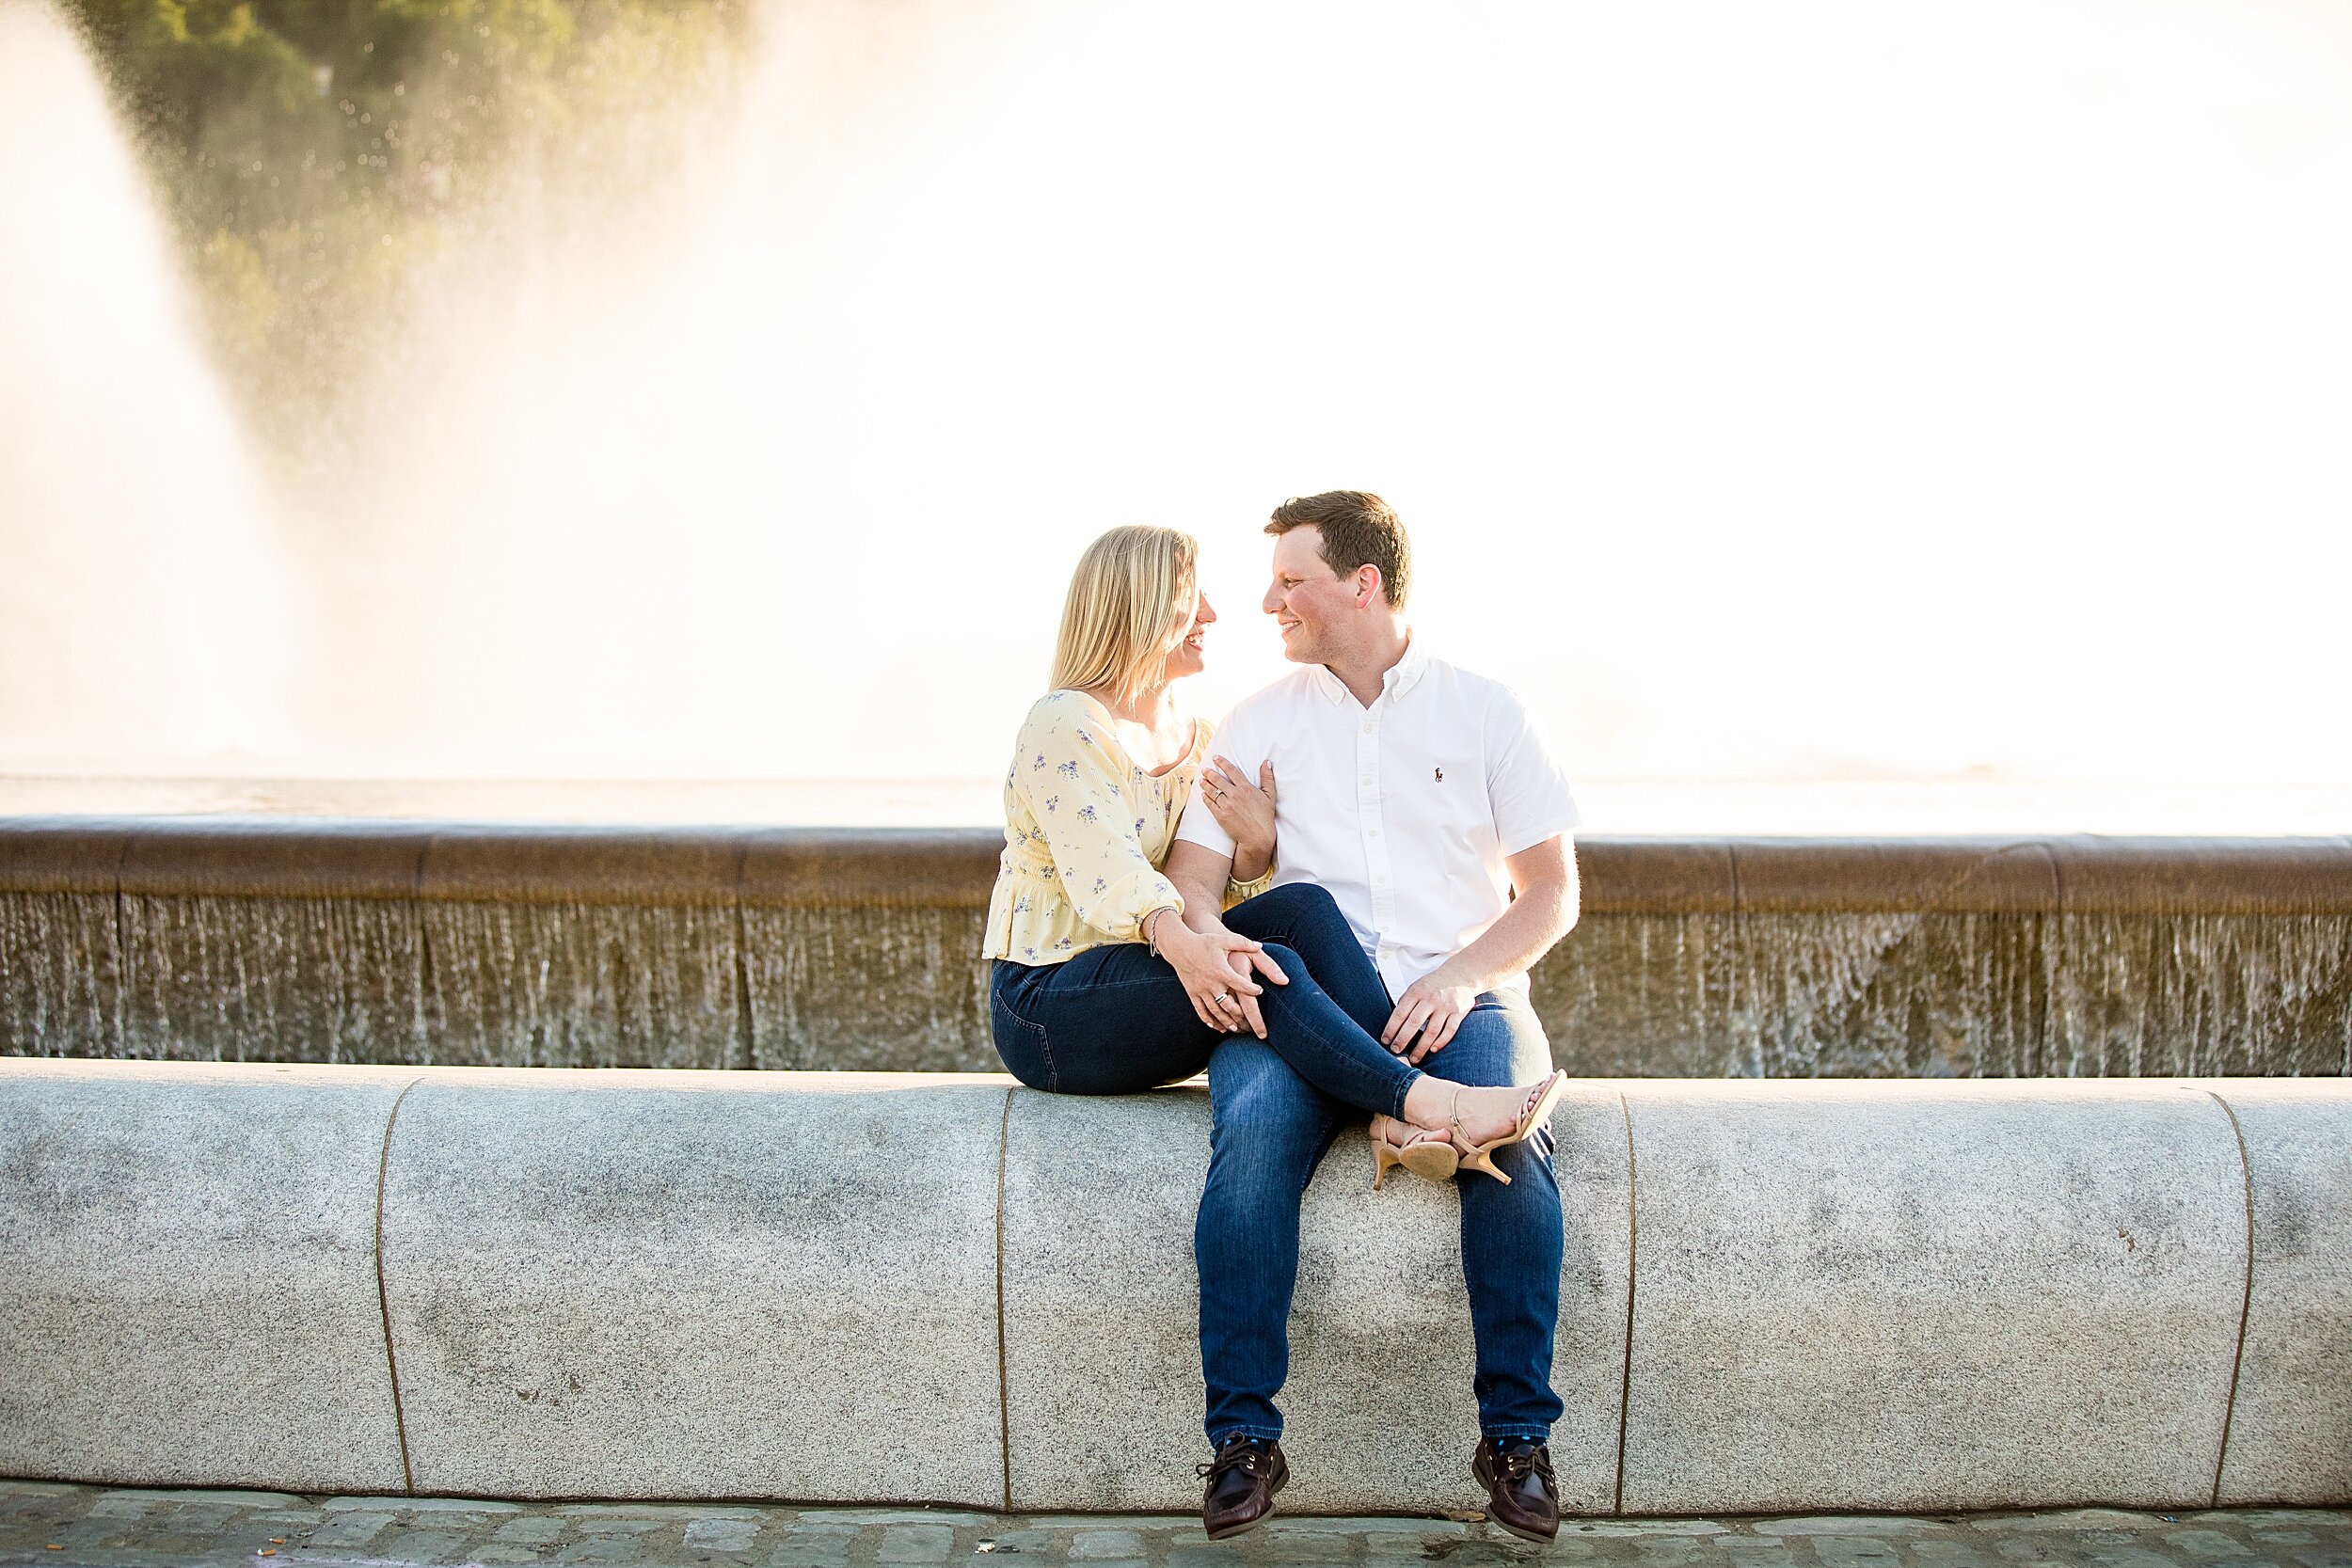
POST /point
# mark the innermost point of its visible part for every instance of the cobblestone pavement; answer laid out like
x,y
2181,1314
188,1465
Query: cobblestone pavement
x,y
60,1526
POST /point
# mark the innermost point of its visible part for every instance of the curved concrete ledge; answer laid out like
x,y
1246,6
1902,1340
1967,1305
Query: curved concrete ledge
x,y
900,1287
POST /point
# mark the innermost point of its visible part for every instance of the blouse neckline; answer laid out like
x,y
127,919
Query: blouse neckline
x,y
1111,736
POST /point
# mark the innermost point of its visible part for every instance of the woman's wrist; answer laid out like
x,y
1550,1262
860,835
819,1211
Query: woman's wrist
x,y
1160,927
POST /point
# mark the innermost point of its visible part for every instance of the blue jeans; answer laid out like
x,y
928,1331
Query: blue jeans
x,y
1115,1019
1271,1128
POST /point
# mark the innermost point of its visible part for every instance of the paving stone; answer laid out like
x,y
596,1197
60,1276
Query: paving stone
x,y
2129,1557
637,1510
916,1544
1846,1524
1012,1541
609,1523
603,1548
1949,1554
813,1549
1300,1546
723,1535
119,1507
350,1530
2205,1543
1639,1527
1751,1552
1091,1543
533,1530
1854,1551
424,1545
505,1554
2075,1518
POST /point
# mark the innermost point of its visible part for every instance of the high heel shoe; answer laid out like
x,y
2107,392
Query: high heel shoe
x,y
1534,1114
1431,1158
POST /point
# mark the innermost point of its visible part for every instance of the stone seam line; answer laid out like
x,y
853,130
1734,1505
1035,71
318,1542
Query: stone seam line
x,y
2246,1306
1632,1264
1004,1399
383,1296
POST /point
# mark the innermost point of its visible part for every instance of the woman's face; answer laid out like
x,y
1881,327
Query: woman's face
x,y
1185,659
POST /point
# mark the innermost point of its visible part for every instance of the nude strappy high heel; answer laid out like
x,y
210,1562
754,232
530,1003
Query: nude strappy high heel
x,y
1535,1113
1433,1158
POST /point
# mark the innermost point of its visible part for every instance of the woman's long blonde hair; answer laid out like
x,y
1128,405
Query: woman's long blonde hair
x,y
1130,603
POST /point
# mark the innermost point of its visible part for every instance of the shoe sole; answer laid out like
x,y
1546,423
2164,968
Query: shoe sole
x,y
1230,1531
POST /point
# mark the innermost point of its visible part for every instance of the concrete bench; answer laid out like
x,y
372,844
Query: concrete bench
x,y
1779,1295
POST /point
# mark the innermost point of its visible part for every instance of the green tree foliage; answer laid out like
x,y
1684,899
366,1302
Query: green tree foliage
x,y
312,152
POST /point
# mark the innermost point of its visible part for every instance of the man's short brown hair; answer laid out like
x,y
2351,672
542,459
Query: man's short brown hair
x,y
1359,528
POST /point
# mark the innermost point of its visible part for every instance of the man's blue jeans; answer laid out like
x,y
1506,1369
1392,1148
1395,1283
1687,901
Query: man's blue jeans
x,y
1272,1128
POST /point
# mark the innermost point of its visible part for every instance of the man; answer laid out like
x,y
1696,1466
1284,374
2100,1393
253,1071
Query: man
x,y
1421,796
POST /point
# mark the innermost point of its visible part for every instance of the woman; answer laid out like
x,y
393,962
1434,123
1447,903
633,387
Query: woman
x,y
1099,987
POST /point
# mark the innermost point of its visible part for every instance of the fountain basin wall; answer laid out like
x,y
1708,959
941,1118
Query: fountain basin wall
x,y
302,940
1774,1296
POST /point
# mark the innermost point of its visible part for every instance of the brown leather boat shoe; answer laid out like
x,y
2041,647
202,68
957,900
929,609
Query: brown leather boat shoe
x,y
1522,1495
1240,1485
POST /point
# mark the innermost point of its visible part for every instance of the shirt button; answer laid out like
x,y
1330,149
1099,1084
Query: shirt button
x,y
1372,832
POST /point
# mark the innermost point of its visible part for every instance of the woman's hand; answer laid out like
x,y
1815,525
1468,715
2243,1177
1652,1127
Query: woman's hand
x,y
1245,811
1215,966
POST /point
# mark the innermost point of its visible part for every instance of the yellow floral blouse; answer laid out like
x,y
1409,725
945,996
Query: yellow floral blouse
x,y
1086,831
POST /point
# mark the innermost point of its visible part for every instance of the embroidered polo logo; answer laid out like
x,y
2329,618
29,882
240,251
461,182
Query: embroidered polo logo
x,y
1440,773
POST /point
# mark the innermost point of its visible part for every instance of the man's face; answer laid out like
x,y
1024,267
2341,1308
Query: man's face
x,y
1307,598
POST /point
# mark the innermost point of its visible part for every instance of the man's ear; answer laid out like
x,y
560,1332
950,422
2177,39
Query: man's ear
x,y
1367,585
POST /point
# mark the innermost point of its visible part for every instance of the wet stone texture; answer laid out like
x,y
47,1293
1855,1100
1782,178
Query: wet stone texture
x,y
2201,994
63,1526
859,950
583,985
60,980
849,988
273,980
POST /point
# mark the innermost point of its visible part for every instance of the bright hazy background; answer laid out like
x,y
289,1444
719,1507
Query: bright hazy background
x,y
1925,417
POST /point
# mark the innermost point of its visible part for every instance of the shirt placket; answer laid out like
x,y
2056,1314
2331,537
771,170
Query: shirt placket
x,y
1378,867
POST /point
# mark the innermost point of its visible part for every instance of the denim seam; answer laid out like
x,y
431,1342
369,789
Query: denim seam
x,y
1265,1435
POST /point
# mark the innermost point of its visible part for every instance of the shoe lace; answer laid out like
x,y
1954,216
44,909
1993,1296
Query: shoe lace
x,y
1518,1464
1242,1453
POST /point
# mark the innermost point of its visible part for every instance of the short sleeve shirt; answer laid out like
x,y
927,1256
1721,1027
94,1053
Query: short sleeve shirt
x,y
1405,810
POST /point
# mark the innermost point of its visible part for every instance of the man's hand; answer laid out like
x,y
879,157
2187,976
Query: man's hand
x,y
1426,1016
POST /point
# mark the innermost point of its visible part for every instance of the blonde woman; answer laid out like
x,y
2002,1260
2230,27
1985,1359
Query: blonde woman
x,y
1099,987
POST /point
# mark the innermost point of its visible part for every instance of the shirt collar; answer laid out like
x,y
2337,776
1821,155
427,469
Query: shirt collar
x,y
1398,679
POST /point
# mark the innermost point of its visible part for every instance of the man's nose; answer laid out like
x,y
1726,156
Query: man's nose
x,y
1273,601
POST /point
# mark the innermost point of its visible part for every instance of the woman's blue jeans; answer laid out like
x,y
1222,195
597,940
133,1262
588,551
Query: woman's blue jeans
x,y
1122,1023
1115,1019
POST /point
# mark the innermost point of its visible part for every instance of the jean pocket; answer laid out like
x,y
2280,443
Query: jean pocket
x,y
1020,1046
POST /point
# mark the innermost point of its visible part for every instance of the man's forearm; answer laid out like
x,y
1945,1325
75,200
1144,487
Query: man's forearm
x,y
1204,902
1199,875
1545,910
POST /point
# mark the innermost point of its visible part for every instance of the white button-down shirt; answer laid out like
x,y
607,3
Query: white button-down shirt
x,y
1403,810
